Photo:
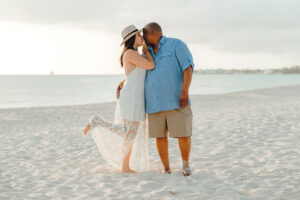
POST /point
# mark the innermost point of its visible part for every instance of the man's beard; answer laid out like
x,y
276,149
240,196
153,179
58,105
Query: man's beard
x,y
147,42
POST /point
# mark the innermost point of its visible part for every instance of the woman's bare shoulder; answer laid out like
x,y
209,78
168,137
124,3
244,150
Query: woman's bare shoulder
x,y
130,55
130,52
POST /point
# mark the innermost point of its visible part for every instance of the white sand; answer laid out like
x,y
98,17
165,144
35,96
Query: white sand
x,y
246,145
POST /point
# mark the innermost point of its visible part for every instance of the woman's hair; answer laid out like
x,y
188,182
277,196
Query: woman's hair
x,y
129,44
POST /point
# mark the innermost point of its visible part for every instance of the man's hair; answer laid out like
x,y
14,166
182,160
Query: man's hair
x,y
154,26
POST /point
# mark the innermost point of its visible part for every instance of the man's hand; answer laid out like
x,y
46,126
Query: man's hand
x,y
119,89
184,99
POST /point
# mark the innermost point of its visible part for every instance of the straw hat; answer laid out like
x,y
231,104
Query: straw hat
x,y
128,32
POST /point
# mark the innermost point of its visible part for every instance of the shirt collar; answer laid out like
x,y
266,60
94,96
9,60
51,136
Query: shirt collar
x,y
162,40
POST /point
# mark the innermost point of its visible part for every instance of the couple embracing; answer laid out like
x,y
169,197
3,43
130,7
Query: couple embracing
x,y
153,101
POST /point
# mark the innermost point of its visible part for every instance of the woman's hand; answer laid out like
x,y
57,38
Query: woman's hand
x,y
119,89
145,49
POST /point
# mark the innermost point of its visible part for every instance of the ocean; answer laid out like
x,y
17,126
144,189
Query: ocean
x,y
57,90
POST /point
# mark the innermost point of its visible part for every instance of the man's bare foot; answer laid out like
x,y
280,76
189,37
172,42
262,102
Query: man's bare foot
x,y
128,170
186,168
87,128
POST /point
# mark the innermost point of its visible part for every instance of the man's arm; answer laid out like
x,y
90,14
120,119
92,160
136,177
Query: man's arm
x,y
186,63
187,78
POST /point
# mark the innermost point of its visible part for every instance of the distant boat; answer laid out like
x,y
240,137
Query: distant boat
x,y
51,73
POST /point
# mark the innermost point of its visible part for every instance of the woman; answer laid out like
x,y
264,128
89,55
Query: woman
x,y
124,142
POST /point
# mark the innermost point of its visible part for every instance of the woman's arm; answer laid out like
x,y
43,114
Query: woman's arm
x,y
136,59
148,55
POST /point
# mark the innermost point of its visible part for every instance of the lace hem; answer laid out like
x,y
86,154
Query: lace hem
x,y
126,129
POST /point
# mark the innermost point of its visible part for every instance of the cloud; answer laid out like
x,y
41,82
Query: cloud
x,y
268,26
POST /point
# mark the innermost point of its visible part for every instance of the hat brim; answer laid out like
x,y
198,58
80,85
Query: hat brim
x,y
129,36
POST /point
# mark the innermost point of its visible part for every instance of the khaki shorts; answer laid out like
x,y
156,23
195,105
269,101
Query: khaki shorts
x,y
177,122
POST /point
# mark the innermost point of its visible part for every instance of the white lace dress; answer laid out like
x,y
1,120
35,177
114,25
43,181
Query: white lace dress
x,y
129,130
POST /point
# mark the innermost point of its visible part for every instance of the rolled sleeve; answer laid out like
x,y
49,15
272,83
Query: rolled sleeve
x,y
184,56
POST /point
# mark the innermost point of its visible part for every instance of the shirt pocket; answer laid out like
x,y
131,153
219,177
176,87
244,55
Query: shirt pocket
x,y
166,58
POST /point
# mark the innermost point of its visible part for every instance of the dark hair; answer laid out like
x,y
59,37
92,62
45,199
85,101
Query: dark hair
x,y
128,45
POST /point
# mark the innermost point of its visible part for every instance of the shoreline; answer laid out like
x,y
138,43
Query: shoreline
x,y
192,96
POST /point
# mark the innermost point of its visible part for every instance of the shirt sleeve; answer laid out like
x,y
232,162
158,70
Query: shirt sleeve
x,y
183,55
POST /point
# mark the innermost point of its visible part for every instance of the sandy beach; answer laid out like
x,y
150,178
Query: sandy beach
x,y
245,145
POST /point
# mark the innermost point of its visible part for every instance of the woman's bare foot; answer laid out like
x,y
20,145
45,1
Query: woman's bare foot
x,y
165,171
128,170
87,128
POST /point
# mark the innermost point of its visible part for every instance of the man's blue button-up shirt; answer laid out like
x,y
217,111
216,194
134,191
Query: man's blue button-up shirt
x,y
163,84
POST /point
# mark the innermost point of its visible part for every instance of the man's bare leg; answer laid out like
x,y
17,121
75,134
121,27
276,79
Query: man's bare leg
x,y
162,148
185,148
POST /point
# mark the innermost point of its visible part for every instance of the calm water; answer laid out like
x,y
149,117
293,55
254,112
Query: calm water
x,y
44,90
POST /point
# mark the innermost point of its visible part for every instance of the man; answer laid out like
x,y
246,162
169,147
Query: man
x,y
167,94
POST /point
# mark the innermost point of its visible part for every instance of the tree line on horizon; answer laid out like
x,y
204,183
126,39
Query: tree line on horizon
x,y
286,70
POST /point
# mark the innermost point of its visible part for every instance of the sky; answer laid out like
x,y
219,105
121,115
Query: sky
x,y
84,36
